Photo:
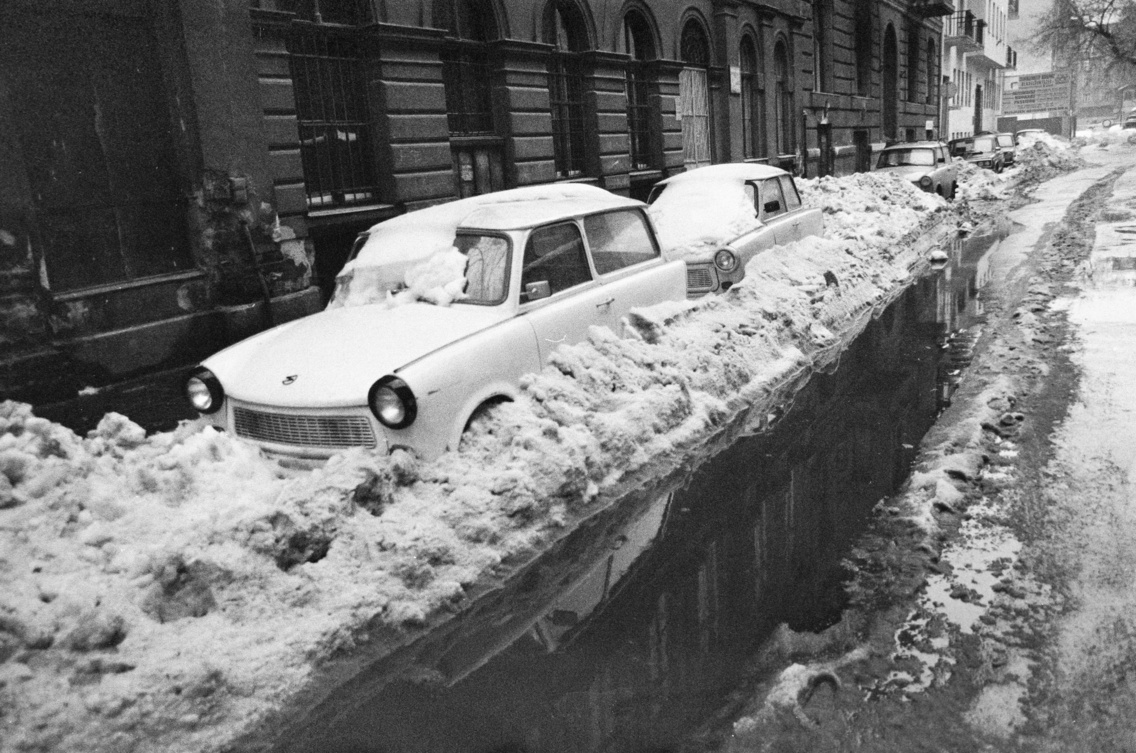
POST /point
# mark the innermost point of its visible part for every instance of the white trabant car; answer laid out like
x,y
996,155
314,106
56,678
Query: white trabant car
x,y
537,267
718,217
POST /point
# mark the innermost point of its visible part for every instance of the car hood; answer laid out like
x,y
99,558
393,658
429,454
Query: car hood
x,y
332,358
911,172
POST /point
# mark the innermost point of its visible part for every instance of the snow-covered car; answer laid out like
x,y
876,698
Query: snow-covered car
x,y
1027,133
511,277
980,150
924,163
716,218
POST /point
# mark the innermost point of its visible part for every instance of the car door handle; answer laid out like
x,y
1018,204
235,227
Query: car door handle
x,y
608,302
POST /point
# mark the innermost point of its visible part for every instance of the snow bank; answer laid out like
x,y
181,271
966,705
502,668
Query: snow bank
x,y
874,208
177,591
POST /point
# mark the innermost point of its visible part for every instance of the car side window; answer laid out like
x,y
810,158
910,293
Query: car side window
x,y
940,154
618,240
771,202
751,193
555,254
789,190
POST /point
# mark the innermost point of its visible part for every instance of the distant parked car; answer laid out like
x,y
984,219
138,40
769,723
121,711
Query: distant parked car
x,y
982,150
924,163
1129,121
1005,142
1027,133
738,210
541,265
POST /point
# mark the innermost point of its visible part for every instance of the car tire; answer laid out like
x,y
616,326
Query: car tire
x,y
480,422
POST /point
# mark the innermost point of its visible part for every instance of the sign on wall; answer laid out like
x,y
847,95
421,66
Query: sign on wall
x,y
1038,92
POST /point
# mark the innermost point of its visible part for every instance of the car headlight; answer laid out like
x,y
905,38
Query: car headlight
x,y
392,402
203,391
725,260
925,181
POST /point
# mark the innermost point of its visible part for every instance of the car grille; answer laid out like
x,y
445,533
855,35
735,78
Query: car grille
x,y
307,431
699,278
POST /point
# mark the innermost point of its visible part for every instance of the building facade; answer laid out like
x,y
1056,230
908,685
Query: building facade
x,y
188,172
976,57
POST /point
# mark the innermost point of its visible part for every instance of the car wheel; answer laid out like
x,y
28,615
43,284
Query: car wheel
x,y
482,422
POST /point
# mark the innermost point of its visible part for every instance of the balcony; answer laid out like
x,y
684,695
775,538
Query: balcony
x,y
964,31
929,8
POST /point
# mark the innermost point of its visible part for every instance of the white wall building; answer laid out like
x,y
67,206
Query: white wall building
x,y
976,55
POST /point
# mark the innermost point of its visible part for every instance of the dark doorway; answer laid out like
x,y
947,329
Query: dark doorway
x,y
978,108
863,151
826,165
891,85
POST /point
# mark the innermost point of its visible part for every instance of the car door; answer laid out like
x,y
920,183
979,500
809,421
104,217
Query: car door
x,y
560,298
630,266
773,211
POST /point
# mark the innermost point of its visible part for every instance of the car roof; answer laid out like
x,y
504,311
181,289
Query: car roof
x,y
913,145
512,215
739,171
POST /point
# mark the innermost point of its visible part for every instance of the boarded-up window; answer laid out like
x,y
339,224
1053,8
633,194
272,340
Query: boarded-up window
x,y
694,96
87,98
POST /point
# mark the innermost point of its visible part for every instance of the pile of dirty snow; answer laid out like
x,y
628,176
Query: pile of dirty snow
x,y
178,592
979,184
1044,157
874,208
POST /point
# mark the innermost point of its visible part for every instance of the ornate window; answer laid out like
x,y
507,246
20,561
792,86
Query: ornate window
x,y
641,120
565,30
753,101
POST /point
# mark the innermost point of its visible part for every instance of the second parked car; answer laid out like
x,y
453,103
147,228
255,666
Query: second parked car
x,y
719,217
924,163
981,150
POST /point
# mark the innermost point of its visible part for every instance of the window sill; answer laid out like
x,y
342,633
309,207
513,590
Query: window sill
x,y
316,214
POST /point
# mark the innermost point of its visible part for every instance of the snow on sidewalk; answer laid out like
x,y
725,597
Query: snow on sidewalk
x,y
173,592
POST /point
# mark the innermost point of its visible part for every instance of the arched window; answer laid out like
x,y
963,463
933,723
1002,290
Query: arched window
x,y
913,64
694,95
565,30
932,77
465,65
753,101
863,48
822,61
783,99
639,43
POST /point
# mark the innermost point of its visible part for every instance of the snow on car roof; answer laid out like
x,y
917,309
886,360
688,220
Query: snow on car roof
x,y
424,231
727,171
512,215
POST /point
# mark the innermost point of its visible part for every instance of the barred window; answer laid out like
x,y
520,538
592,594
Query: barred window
x,y
694,95
641,123
753,102
564,29
332,112
466,68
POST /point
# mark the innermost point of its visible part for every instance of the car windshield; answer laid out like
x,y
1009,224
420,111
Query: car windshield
x,y
898,157
985,144
486,269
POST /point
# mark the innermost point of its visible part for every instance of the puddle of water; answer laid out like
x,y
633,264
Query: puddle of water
x,y
651,620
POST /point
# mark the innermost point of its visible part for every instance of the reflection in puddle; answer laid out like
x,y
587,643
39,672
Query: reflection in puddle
x,y
637,629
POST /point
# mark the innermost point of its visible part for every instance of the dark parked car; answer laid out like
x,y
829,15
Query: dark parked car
x,y
924,163
982,150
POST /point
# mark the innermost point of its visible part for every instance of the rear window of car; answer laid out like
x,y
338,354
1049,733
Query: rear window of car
x,y
984,144
897,157
619,239
1005,140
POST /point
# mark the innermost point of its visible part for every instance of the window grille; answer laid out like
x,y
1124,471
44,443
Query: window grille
x,y
640,122
566,97
467,74
336,134
694,96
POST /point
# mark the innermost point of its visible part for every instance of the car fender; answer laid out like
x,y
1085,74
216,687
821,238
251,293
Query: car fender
x,y
499,390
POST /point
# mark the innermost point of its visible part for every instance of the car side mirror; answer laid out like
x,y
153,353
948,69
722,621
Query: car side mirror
x,y
772,206
534,291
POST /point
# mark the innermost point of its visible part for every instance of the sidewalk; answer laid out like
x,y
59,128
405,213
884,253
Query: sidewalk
x,y
153,401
